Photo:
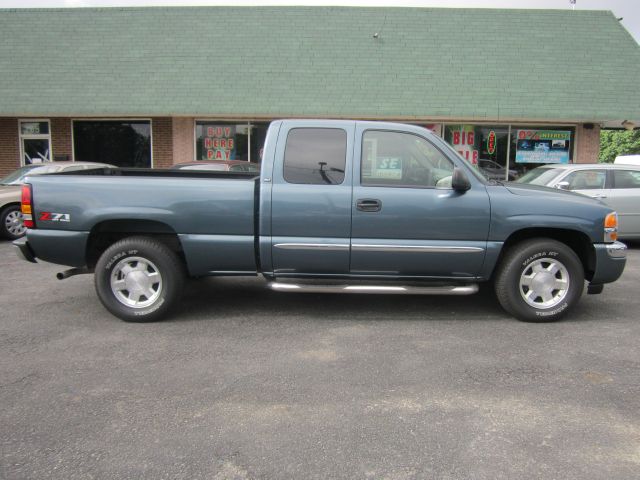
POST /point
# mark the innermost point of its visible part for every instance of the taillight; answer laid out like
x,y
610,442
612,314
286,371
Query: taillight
x,y
26,207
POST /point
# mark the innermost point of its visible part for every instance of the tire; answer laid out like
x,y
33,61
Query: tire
x,y
11,222
139,279
539,280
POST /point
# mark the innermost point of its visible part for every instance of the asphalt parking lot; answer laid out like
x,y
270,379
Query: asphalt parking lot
x,y
244,383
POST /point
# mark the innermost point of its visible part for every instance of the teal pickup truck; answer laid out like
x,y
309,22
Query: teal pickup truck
x,y
339,207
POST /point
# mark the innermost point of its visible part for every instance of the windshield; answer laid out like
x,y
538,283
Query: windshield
x,y
539,176
15,177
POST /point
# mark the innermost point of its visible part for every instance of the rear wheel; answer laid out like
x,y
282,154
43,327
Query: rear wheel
x,y
539,280
11,222
139,279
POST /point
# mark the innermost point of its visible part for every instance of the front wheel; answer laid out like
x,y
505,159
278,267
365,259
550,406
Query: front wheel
x,y
539,280
11,223
138,279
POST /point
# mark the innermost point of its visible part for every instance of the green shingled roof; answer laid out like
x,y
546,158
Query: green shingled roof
x,y
319,61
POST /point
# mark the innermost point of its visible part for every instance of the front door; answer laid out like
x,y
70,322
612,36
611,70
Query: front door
x,y
407,221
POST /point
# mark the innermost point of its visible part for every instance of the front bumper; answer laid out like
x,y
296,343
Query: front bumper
x,y
610,261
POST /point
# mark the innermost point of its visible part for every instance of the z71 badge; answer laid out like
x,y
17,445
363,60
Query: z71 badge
x,y
55,217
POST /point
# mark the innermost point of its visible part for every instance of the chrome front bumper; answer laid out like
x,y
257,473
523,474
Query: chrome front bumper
x,y
617,250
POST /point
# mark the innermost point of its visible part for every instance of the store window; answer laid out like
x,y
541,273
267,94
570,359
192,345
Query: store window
x,y
485,146
501,152
229,141
532,147
35,141
125,143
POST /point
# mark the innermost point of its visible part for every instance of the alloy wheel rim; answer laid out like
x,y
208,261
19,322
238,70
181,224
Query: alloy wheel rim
x,y
136,282
544,283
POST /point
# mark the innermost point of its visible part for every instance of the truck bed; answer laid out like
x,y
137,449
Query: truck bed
x,y
213,213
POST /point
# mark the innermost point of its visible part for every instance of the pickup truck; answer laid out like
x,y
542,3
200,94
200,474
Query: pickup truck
x,y
339,206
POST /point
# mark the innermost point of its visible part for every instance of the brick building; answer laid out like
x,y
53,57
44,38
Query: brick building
x,y
510,89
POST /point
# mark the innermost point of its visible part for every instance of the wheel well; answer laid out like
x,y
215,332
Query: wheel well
x,y
10,204
105,234
577,241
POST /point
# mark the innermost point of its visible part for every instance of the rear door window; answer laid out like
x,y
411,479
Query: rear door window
x,y
626,179
315,156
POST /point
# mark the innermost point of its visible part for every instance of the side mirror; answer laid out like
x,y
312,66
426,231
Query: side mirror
x,y
459,180
562,185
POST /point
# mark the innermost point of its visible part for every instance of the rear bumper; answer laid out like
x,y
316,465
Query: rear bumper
x,y
53,246
24,250
611,259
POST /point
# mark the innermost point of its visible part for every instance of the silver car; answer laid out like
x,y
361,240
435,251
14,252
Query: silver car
x,y
11,226
616,185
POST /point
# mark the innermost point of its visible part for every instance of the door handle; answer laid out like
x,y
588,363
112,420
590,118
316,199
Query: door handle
x,y
369,205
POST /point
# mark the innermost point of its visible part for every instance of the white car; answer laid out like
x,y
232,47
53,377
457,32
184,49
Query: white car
x,y
11,226
617,185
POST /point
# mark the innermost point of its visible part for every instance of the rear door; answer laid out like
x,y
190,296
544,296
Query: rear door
x,y
311,198
624,198
407,221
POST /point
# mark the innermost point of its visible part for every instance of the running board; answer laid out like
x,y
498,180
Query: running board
x,y
390,289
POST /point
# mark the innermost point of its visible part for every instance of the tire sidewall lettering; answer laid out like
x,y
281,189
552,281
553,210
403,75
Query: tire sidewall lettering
x,y
119,256
555,311
151,309
539,255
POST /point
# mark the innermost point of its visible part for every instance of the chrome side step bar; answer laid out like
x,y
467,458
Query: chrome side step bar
x,y
382,289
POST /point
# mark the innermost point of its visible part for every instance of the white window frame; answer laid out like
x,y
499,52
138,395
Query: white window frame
x,y
34,136
112,119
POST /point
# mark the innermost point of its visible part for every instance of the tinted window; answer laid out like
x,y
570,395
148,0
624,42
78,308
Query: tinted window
x,y
315,156
586,179
402,159
121,143
626,179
